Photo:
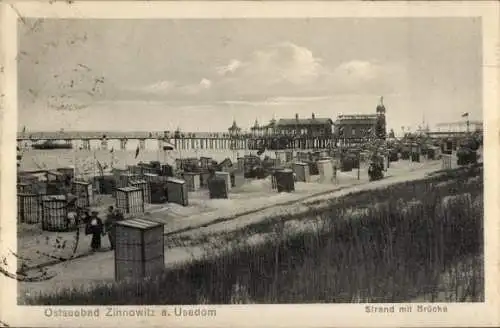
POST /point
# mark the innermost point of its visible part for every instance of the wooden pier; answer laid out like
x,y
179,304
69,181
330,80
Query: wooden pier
x,y
185,141
210,141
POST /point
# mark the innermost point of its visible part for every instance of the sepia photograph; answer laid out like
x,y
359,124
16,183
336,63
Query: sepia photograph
x,y
244,160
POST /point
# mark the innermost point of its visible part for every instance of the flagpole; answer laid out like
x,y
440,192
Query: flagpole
x,y
180,150
160,147
164,150
180,155
75,164
95,163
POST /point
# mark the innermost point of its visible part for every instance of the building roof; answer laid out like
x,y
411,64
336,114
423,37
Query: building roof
x,y
128,189
234,127
175,180
54,198
226,161
304,121
271,124
137,181
60,174
357,116
358,119
461,123
220,173
356,122
141,224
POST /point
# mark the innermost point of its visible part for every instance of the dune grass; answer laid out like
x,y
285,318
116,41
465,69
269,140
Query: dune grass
x,y
407,242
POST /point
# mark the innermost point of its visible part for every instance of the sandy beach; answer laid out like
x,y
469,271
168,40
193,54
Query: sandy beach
x,y
85,161
254,202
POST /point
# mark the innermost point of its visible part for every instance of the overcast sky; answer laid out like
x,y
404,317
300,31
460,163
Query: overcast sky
x,y
200,74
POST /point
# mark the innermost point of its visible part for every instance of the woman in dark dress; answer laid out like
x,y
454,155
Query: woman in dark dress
x,y
95,228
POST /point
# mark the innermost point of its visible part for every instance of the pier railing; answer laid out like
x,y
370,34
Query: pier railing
x,y
190,140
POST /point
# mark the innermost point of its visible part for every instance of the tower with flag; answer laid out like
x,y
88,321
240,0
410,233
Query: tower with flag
x,y
360,128
380,126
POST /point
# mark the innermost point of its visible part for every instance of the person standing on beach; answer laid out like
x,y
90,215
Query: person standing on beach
x,y
110,226
95,228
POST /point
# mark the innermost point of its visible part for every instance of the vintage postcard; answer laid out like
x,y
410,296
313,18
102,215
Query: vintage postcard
x,y
228,164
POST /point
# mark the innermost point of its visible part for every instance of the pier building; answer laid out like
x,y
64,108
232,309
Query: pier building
x,y
296,133
359,128
286,133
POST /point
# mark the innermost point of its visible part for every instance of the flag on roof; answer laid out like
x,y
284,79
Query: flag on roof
x,y
465,115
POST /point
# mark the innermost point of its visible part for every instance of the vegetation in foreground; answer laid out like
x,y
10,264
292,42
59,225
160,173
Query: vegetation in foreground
x,y
409,242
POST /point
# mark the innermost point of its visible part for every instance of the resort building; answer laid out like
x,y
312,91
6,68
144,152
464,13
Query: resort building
x,y
460,126
455,129
234,129
356,126
311,127
320,132
359,128
264,130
